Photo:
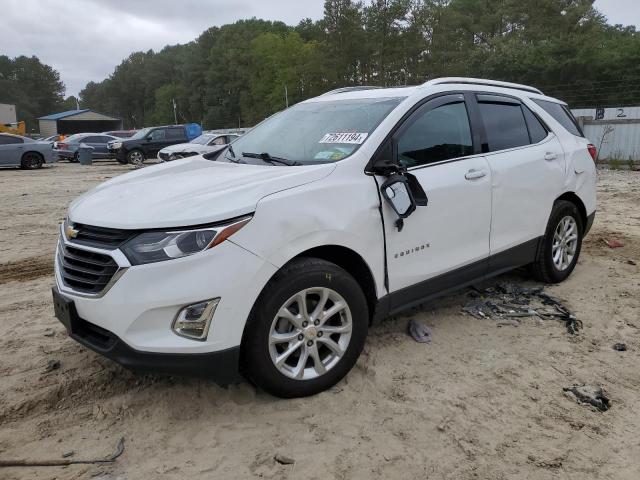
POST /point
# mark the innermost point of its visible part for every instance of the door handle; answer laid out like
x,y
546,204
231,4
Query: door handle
x,y
550,156
474,174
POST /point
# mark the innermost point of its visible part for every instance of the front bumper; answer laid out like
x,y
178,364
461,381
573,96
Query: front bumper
x,y
138,308
220,366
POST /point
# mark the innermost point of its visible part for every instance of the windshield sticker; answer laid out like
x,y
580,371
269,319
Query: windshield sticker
x,y
354,138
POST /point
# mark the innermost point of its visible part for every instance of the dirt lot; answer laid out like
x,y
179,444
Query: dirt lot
x,y
478,402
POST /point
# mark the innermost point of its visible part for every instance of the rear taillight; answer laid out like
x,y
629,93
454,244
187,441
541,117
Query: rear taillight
x,y
592,151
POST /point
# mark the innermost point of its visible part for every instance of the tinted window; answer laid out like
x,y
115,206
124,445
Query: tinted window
x,y
562,115
218,141
6,140
537,131
175,133
438,134
158,134
92,140
504,125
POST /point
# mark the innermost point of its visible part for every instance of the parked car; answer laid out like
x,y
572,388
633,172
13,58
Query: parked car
x,y
23,152
275,259
146,143
121,133
205,143
67,149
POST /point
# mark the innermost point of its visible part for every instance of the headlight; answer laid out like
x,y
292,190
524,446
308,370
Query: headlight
x,y
150,247
115,145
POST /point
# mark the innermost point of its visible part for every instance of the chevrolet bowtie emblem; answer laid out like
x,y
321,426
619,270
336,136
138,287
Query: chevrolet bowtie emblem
x,y
71,232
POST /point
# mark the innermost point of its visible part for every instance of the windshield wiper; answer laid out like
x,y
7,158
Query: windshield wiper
x,y
234,159
265,157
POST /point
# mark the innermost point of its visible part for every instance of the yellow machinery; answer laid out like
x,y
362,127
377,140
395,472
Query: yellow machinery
x,y
15,128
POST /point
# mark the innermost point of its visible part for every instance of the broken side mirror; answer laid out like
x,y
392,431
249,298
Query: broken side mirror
x,y
397,193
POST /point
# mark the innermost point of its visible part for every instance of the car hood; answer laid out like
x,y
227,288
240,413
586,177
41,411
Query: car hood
x,y
191,191
181,147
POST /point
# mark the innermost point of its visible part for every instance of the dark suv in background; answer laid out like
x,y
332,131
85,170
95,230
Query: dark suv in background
x,y
146,143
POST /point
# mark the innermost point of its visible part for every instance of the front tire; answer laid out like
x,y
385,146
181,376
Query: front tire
x,y
561,245
135,157
306,330
31,161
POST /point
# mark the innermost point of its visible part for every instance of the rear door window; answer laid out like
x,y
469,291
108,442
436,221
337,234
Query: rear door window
x,y
562,115
504,125
175,133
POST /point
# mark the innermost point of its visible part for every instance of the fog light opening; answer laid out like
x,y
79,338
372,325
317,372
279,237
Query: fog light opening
x,y
193,321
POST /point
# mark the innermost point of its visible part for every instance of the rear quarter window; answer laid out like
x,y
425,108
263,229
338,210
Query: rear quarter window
x,y
562,115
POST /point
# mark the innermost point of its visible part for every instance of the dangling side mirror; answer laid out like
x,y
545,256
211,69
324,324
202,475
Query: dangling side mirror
x,y
397,193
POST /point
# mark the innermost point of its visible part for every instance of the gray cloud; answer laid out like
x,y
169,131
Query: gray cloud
x,y
85,39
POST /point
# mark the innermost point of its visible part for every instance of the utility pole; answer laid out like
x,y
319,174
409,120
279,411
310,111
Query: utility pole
x,y
175,116
286,96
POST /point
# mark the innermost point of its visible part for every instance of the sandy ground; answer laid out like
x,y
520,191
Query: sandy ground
x,y
478,402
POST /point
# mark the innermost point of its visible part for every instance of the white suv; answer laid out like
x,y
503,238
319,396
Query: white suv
x,y
274,260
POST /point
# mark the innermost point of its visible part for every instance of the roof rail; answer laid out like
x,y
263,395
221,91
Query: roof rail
x,y
481,81
350,89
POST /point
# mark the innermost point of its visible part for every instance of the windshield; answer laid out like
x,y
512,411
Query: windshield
x,y
140,134
202,139
315,132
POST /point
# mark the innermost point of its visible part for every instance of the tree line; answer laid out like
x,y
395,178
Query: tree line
x,y
240,73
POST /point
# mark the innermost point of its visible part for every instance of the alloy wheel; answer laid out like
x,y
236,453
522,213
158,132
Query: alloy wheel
x,y
565,243
310,333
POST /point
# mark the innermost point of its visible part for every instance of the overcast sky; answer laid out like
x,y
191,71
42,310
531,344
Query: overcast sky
x,y
85,39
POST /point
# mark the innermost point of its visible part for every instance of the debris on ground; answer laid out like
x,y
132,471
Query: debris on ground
x,y
49,332
508,302
612,243
68,454
620,347
589,395
52,365
419,332
631,262
283,459
65,461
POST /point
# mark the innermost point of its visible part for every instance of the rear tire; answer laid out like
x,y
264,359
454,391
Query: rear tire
x,y
320,345
561,245
135,157
31,161
75,158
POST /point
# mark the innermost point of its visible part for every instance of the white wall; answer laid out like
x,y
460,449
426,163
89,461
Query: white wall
x,y
7,113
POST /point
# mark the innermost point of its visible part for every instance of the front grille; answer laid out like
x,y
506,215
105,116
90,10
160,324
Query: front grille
x,y
101,237
164,156
85,271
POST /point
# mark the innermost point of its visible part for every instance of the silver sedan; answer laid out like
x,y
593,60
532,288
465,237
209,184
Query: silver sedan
x,y
23,152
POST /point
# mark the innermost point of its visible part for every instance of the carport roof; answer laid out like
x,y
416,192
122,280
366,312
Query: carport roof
x,y
58,116
73,113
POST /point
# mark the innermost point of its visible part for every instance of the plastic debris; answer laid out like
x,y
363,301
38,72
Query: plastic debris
x,y
52,365
419,332
283,459
612,243
589,395
620,347
508,302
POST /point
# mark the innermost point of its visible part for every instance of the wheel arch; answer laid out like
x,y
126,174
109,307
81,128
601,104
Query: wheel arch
x,y
353,263
32,152
577,201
